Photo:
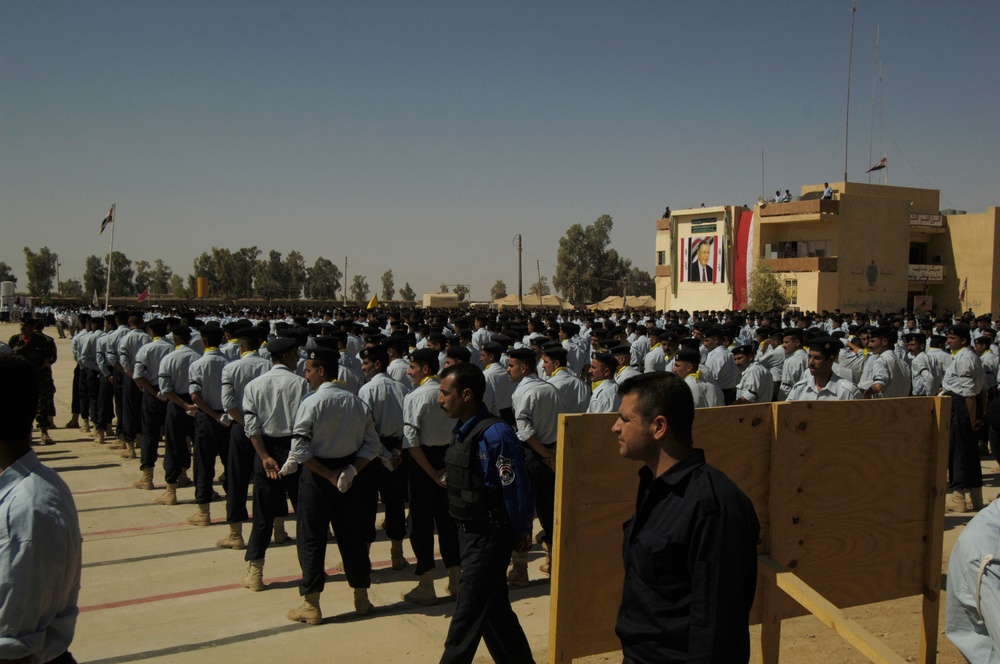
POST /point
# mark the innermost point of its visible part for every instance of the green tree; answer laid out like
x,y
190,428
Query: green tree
x,y
142,276
6,274
638,282
226,282
176,287
765,291
587,270
159,280
359,288
95,275
444,289
499,290
388,286
243,266
322,280
540,287
122,275
71,288
406,293
295,267
271,277
461,290
41,269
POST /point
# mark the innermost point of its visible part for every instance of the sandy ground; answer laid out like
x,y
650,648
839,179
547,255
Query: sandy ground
x,y
155,588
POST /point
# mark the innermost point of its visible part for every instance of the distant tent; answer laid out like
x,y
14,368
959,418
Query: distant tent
x,y
613,302
533,302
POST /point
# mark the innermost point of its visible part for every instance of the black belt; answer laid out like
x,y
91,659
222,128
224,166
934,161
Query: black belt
x,y
391,442
485,525
282,442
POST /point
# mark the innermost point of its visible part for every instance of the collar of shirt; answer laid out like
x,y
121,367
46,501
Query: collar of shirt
x,y
17,471
461,429
434,377
597,384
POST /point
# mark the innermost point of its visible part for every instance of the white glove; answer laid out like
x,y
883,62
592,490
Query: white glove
x,y
347,476
392,461
159,395
225,420
289,468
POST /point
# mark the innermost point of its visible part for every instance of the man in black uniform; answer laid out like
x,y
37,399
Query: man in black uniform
x,y
489,496
690,549
40,351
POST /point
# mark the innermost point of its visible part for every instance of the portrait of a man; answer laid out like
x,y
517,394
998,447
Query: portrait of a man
x,y
701,259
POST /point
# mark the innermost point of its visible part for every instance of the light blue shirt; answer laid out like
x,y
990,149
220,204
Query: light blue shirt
x,y
332,423
975,634
40,562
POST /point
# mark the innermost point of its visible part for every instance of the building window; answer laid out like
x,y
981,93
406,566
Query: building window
x,y
810,249
792,291
661,258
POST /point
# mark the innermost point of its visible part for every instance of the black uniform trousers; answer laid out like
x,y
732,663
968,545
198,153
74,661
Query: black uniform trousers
x,y
105,401
211,440
543,483
964,471
483,607
131,421
270,497
118,390
239,473
729,396
392,489
365,500
179,425
321,505
74,403
89,387
154,414
429,508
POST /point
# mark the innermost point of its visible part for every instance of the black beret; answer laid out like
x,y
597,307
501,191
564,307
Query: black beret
x,y
607,359
282,345
555,351
249,333
522,354
792,332
915,336
493,348
330,343
745,349
424,355
181,330
688,355
960,330
622,350
826,345
323,355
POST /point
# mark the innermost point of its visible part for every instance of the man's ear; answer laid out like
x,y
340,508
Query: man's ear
x,y
659,427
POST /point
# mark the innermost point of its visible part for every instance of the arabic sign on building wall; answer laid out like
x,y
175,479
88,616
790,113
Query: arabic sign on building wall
x,y
923,272
933,220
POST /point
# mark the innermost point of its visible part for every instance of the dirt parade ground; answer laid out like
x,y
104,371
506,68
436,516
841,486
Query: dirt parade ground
x,y
155,588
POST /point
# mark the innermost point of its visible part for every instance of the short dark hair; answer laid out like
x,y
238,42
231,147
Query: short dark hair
x,y
663,393
18,398
467,376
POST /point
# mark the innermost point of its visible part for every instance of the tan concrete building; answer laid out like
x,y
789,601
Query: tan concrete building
x,y
871,247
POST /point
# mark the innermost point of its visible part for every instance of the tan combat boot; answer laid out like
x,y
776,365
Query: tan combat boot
x,y
85,425
424,592
234,540
202,517
454,578
517,575
183,480
169,496
362,606
280,534
99,437
308,612
254,578
44,438
976,498
956,501
145,481
74,422
128,451
546,567
399,561
118,444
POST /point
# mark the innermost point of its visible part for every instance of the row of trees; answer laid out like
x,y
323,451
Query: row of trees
x,y
587,270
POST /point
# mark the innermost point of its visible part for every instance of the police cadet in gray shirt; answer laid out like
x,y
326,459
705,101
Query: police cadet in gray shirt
x,y
574,393
128,349
269,406
179,423
146,375
211,431
239,467
820,383
536,410
334,439
756,384
795,362
383,399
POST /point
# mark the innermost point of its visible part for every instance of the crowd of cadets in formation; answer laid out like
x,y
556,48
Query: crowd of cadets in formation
x,y
203,380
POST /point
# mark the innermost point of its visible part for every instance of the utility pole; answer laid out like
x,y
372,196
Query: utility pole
x,y
538,288
520,287
58,289
345,281
847,123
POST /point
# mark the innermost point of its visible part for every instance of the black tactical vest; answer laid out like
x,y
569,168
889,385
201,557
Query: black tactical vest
x,y
467,497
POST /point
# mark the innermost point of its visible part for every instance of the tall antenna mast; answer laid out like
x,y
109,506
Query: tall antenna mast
x,y
850,59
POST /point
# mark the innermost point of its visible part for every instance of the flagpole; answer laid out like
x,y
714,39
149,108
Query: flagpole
x,y
111,255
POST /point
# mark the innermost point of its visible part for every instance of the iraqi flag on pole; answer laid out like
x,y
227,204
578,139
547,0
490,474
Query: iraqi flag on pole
x,y
144,295
882,163
110,219
961,293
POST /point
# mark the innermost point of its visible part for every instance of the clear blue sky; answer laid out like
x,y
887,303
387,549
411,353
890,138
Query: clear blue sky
x,y
423,136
